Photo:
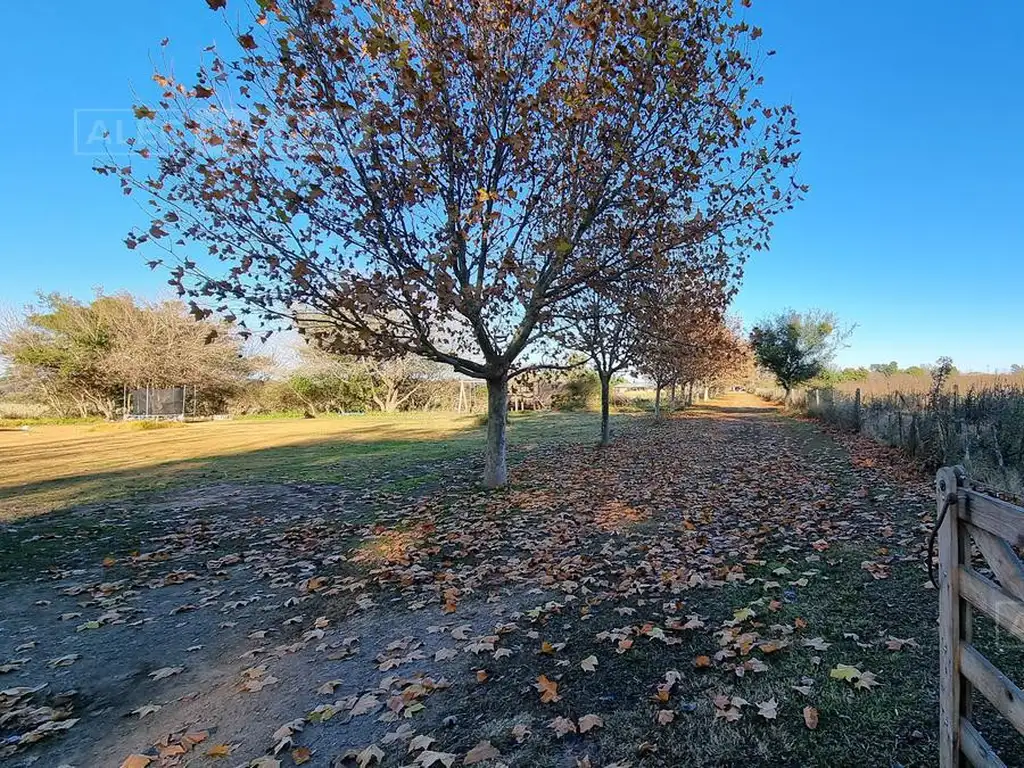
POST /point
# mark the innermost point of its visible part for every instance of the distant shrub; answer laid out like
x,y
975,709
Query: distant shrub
x,y
581,390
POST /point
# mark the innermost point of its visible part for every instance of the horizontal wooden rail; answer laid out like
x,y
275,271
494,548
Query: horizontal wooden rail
x,y
976,749
983,594
1000,690
993,515
1001,559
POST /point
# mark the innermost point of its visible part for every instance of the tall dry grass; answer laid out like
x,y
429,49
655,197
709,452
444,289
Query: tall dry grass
x,y
973,419
877,385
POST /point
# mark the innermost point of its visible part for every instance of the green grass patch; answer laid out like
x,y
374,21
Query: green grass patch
x,y
893,724
404,451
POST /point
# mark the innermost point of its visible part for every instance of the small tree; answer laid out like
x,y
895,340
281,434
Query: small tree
x,y
941,372
886,369
796,347
603,322
427,175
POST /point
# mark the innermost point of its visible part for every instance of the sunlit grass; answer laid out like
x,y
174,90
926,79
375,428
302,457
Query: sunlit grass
x,y
55,466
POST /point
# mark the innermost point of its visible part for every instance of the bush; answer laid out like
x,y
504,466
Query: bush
x,y
580,391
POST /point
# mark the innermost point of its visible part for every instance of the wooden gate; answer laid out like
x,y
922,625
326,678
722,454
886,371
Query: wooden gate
x,y
995,527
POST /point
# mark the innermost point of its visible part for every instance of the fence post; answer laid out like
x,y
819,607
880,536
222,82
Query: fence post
x,y
856,410
954,695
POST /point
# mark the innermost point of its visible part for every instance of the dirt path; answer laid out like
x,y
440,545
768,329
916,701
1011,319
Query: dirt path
x,y
729,552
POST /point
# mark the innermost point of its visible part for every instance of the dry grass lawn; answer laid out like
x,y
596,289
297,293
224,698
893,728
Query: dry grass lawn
x,y
54,466
54,451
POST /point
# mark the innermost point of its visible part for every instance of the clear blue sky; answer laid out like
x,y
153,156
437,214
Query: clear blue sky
x,y
912,117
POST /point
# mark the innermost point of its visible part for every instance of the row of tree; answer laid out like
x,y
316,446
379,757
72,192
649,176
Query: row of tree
x,y
472,183
78,358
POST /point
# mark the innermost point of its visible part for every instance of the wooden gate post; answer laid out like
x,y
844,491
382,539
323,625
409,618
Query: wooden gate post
x,y
954,618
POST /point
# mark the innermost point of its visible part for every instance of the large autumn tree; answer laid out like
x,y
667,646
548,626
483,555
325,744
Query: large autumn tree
x,y
425,174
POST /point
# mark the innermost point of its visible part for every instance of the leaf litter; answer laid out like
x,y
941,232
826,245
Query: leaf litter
x,y
587,537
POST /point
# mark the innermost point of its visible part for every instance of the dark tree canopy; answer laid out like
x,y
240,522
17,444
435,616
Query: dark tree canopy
x,y
427,176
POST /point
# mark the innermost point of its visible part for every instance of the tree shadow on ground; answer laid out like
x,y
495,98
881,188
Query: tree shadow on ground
x,y
405,461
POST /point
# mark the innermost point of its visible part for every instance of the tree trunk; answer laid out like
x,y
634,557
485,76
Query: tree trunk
x,y
496,461
672,394
657,401
605,398
788,399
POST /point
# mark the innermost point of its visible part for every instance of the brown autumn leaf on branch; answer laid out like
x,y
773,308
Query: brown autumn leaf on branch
x,y
678,164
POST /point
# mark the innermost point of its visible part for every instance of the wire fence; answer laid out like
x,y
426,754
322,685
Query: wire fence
x,y
982,428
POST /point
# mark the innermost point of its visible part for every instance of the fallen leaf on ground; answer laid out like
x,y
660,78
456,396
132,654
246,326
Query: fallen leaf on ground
x,y
372,754
65,661
769,710
328,688
562,726
898,644
482,751
844,672
428,759
867,681
548,689
423,741
164,672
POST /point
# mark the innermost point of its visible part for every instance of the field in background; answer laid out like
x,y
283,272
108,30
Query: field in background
x,y
878,385
976,420
54,466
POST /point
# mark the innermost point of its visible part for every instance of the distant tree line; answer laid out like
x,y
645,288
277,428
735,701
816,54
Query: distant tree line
x,y
79,358
839,375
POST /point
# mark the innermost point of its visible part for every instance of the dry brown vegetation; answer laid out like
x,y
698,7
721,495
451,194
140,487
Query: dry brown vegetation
x,y
976,420
877,384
